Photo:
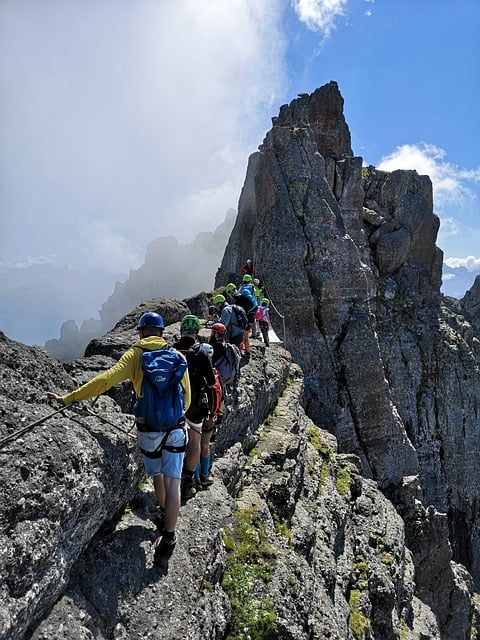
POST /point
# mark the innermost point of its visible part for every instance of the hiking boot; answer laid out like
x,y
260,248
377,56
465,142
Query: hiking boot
x,y
159,518
187,488
206,480
164,549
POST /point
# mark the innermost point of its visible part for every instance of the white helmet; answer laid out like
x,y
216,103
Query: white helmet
x,y
207,350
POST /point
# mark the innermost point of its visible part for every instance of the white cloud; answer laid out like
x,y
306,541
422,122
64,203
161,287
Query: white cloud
x,y
454,192
449,180
99,246
319,15
198,206
470,263
11,262
119,111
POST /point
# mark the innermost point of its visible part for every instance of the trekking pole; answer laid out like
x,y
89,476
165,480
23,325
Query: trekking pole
x,y
20,432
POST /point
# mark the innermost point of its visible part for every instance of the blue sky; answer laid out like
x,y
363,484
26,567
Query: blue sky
x,y
123,120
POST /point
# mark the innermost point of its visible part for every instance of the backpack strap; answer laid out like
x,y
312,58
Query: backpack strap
x,y
163,446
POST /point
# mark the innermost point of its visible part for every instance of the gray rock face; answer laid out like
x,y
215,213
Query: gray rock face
x,y
60,482
348,257
322,549
471,304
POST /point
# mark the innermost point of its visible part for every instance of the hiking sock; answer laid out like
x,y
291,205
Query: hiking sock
x,y
197,471
205,465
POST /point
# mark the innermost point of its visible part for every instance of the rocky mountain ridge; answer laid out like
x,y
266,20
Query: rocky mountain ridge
x,y
344,501
321,549
348,255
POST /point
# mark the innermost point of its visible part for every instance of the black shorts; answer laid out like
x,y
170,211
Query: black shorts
x,y
198,409
237,339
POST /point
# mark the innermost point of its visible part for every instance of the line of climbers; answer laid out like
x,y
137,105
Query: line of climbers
x,y
180,398
245,310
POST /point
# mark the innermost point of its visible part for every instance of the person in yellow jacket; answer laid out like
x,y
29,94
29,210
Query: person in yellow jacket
x,y
167,468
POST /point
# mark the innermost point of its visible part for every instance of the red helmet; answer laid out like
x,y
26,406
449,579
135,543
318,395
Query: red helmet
x,y
218,327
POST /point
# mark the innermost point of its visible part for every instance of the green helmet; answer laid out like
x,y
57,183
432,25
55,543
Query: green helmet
x,y
230,287
247,278
265,301
190,324
218,299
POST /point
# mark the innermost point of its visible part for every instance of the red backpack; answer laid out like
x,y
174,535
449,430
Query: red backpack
x,y
215,395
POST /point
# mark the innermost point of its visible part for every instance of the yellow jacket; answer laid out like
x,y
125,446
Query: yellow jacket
x,y
129,367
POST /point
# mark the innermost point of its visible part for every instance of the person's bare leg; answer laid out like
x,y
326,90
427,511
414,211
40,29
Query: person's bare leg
x,y
246,340
172,502
205,450
159,486
192,454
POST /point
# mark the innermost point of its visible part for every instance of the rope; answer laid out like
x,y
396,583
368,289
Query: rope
x,y
282,318
19,432
96,415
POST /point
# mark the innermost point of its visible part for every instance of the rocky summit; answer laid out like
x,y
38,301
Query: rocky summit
x,y
344,502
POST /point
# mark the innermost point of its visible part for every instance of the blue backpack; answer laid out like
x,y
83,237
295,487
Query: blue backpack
x,y
228,366
161,404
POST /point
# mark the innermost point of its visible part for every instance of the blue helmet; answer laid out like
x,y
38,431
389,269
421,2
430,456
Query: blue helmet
x,y
151,319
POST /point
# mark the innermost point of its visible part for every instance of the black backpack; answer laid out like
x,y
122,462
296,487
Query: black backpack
x,y
239,317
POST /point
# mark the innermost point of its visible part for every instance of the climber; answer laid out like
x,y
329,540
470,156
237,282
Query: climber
x,y
247,268
165,468
211,422
201,378
263,317
229,319
246,299
258,293
230,292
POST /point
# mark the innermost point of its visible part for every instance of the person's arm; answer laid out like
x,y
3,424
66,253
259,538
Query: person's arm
x,y
226,316
187,397
124,369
